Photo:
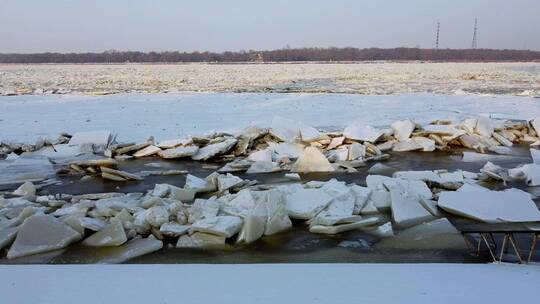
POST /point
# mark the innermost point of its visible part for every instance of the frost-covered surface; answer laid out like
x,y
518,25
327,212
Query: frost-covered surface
x,y
275,283
361,78
166,116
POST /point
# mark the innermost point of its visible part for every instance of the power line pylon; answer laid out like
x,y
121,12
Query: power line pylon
x,y
437,38
474,38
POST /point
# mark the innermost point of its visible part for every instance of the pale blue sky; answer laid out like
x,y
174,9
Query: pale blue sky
x,y
98,25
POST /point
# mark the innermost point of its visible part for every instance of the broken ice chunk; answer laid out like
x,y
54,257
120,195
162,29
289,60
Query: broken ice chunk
x,y
202,209
407,145
212,150
359,131
312,160
484,126
200,240
285,129
178,152
27,190
339,154
224,225
261,156
157,216
309,134
240,205
132,249
254,224
94,224
41,233
288,150
225,182
380,199
74,221
276,209
111,235
307,203
356,151
511,205
172,143
335,142
95,138
160,190
7,235
361,196
148,151
198,184
173,229
529,172
403,129
344,227
407,210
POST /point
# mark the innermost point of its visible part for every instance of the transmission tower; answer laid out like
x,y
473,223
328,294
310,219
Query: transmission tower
x,y
437,39
474,41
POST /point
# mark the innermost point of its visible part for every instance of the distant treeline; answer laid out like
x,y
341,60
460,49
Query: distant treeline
x,y
282,55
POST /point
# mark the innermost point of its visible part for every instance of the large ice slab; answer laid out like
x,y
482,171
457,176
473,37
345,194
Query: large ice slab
x,y
276,209
254,224
42,233
132,249
407,210
344,227
285,129
178,152
529,172
200,240
312,160
510,205
224,225
403,129
96,138
111,235
25,169
264,155
7,235
307,203
212,150
358,131
198,184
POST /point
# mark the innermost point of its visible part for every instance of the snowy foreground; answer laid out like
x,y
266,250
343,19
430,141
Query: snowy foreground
x,y
275,283
135,117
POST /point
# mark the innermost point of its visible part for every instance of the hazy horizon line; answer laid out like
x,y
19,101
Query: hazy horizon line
x,y
264,50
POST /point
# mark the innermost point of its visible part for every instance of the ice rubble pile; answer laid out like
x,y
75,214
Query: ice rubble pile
x,y
286,146
241,210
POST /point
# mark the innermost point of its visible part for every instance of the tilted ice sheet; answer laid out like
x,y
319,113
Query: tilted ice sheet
x,y
165,116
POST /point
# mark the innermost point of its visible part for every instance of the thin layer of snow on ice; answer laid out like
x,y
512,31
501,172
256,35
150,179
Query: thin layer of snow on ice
x,y
270,283
138,116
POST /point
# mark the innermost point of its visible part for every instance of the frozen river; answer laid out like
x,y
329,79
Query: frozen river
x,y
135,117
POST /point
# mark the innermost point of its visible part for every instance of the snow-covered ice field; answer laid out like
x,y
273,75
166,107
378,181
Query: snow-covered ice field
x,y
137,116
512,78
270,283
